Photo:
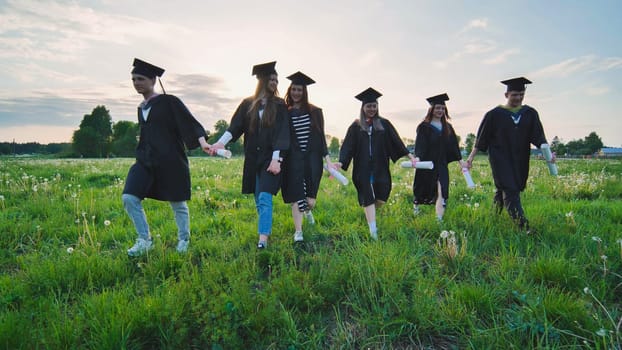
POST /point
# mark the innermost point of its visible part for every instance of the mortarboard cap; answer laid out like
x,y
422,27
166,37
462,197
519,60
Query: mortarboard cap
x,y
516,84
369,95
438,99
147,69
300,78
264,69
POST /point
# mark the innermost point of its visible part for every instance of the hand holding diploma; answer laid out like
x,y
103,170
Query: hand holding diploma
x,y
332,170
550,158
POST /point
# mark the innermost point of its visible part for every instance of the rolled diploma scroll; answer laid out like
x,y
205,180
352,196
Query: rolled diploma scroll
x,y
337,175
225,153
422,164
468,178
546,152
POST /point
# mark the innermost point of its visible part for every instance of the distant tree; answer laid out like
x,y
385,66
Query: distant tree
x,y
558,146
333,148
220,127
124,138
469,142
93,138
58,148
593,143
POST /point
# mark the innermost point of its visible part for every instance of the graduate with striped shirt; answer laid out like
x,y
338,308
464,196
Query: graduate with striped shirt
x,y
302,167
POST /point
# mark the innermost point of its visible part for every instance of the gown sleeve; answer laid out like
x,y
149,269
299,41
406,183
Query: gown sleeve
x,y
189,128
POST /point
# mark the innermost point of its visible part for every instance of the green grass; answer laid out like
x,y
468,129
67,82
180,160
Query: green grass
x,y
66,281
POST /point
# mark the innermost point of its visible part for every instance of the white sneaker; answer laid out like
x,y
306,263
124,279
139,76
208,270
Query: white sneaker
x,y
309,217
374,235
182,245
298,236
140,247
416,211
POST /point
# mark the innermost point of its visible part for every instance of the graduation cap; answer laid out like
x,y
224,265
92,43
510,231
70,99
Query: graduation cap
x,y
300,78
147,69
369,95
516,84
264,69
438,99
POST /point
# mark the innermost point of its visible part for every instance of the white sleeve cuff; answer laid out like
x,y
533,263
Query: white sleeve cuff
x,y
276,154
225,138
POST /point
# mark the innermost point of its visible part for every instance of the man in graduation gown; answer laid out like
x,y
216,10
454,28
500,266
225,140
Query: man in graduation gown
x,y
161,170
262,119
507,132
369,143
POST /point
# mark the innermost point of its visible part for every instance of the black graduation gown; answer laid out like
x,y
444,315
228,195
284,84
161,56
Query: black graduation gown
x,y
433,145
508,144
385,144
306,167
161,170
259,145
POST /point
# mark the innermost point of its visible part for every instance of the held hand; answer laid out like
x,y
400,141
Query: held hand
x,y
204,145
275,167
553,158
337,165
215,147
413,160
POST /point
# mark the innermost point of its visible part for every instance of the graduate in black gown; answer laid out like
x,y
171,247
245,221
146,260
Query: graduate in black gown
x,y
506,132
437,142
303,168
370,142
262,119
161,170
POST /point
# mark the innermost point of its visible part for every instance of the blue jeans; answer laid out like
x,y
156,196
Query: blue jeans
x,y
134,208
263,203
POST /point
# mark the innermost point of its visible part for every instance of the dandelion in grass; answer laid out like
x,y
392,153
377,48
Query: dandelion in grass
x,y
604,259
35,188
570,218
476,205
106,222
70,250
587,290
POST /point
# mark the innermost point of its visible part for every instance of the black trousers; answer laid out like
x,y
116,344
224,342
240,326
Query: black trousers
x,y
511,201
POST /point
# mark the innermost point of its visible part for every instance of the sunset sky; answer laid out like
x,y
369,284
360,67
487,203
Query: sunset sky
x,y
61,59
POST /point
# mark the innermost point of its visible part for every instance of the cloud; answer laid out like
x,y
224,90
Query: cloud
x,y
204,95
597,90
588,63
478,23
62,32
502,57
472,48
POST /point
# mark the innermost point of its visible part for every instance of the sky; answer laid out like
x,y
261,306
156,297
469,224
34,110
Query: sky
x,y
61,59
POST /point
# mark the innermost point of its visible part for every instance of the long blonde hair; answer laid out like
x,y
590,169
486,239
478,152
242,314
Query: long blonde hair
x,y
269,112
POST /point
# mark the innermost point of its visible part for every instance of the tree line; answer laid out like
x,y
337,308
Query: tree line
x,y
98,137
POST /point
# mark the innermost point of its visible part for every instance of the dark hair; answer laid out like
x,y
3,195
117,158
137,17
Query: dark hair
x,y
305,106
444,119
269,112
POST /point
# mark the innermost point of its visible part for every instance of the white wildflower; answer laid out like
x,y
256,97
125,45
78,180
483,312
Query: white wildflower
x,y
603,257
35,188
70,250
476,205
601,332
596,239
106,222
586,290
1,197
444,234
569,214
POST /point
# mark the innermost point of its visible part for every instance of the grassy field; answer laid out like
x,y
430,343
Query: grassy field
x,y
471,282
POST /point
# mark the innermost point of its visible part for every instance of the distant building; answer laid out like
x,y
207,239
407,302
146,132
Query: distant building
x,y
610,152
